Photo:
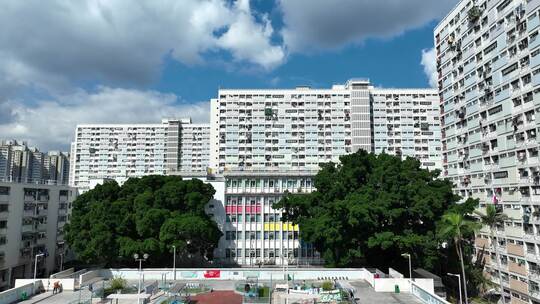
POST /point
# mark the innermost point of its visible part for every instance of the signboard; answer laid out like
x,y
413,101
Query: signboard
x,y
212,274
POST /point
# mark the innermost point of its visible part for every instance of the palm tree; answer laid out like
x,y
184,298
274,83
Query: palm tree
x,y
455,226
492,219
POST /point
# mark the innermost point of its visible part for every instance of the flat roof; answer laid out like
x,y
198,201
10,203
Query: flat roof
x,y
367,294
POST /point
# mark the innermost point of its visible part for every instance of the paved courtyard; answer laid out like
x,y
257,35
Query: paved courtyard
x,y
63,297
223,294
218,297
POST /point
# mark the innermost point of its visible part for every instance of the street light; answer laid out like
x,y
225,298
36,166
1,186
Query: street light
x,y
144,258
61,261
35,271
459,284
406,255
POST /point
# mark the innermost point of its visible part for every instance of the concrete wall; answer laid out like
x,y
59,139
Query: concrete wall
x,y
389,285
14,294
240,273
63,274
88,276
67,284
394,273
425,296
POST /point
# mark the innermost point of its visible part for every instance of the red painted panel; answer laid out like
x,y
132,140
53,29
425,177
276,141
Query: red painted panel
x,y
211,274
253,209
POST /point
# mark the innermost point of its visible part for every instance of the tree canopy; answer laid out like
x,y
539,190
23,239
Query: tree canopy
x,y
110,223
369,209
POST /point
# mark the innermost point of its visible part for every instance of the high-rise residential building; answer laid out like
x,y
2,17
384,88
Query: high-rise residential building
x,y
21,163
32,219
406,122
488,64
278,129
259,144
121,151
268,141
195,148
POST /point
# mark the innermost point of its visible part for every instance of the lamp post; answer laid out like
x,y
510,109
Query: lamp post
x,y
406,255
144,258
174,262
35,271
459,284
61,261
188,242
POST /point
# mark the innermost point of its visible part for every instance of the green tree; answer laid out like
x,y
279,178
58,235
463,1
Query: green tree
x,y
457,227
493,218
110,223
370,208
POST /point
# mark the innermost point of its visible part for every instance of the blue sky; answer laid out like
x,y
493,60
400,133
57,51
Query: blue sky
x,y
64,63
388,62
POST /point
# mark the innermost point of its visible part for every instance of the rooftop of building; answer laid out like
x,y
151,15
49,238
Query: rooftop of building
x,y
32,182
362,81
184,120
213,286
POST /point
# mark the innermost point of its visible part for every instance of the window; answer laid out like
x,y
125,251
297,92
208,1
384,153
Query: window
x,y
4,190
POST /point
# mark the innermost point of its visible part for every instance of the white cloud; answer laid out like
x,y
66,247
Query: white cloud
x,y
322,24
429,62
50,124
47,42
249,40
50,48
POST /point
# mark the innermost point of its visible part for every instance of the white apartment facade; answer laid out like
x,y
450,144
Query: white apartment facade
x,y
32,219
259,144
195,148
488,61
268,141
406,122
121,151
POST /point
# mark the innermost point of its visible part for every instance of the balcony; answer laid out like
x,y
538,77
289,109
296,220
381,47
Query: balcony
x,y
532,5
42,212
519,286
481,243
27,228
515,249
42,227
517,268
517,301
513,213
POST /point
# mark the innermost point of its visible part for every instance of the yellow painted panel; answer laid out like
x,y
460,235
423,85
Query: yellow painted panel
x,y
272,226
279,226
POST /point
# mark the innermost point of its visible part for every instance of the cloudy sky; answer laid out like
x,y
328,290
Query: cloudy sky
x,y
118,61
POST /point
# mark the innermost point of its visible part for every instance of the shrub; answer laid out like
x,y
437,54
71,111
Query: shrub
x,y
118,283
327,285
